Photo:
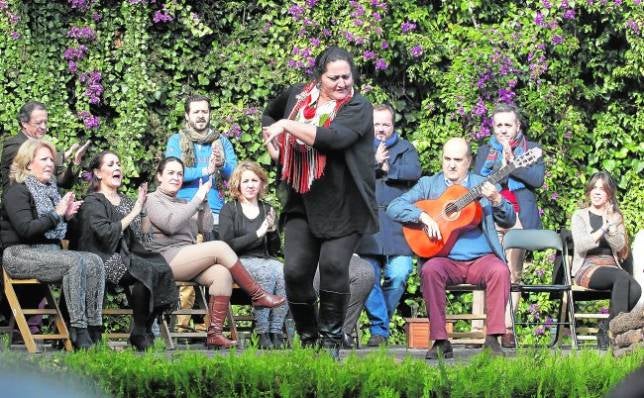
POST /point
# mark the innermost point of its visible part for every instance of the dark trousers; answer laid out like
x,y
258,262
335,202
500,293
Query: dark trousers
x,y
625,291
303,251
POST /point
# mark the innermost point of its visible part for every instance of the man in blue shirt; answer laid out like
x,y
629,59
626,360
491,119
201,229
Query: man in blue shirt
x,y
205,153
476,257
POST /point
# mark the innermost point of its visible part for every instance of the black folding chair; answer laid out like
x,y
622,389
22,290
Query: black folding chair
x,y
539,239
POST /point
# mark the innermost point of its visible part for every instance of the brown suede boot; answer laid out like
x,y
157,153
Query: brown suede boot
x,y
260,297
218,308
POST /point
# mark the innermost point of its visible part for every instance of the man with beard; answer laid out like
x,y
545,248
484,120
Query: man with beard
x,y
206,154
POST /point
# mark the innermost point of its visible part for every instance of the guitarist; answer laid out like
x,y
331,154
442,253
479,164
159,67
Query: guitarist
x,y
477,256
519,188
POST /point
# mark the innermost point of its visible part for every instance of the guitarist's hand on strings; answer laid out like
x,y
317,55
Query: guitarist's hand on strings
x,y
431,227
489,191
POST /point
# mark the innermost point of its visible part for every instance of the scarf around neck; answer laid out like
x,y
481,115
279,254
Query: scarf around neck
x,y
302,164
46,197
389,142
493,162
189,137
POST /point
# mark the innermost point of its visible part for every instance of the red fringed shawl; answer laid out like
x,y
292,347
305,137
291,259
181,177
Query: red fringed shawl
x,y
302,164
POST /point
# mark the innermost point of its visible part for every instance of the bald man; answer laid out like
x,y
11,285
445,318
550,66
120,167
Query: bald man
x,y
477,257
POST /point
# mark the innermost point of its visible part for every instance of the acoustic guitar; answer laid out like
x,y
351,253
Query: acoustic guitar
x,y
456,210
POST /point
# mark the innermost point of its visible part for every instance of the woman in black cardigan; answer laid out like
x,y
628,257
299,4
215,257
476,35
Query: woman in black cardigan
x,y
109,224
322,134
248,225
33,221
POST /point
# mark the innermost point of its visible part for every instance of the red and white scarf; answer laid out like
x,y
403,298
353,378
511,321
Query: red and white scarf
x,y
302,164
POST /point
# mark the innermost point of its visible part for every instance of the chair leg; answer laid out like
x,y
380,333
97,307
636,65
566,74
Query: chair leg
x,y
61,326
571,315
512,316
165,333
19,316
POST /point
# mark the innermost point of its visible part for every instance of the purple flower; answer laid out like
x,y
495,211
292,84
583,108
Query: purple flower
x,y
416,51
540,272
349,36
556,40
81,33
311,3
546,4
359,40
75,53
506,96
407,27
162,16
381,64
96,17
79,4
296,11
251,111
15,35
569,14
315,42
618,2
291,64
384,45
480,109
603,310
554,196
3,5
134,2
376,16
539,331
636,2
13,18
564,4
538,19
633,26
234,131
568,135
484,131
72,67
368,55
358,22
548,322
326,32
90,121
541,212
483,79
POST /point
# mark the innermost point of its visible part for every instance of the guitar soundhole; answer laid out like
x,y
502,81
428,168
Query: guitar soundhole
x,y
451,211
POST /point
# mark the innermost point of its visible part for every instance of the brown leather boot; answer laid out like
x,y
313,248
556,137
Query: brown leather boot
x,y
218,308
260,297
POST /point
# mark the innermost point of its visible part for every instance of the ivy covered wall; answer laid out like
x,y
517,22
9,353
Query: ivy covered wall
x,y
117,71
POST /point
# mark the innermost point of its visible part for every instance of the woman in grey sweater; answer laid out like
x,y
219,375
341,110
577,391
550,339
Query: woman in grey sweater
x,y
173,225
601,245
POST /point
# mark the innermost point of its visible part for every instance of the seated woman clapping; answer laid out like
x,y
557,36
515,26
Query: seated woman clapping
x,y
249,226
601,244
33,222
109,225
174,224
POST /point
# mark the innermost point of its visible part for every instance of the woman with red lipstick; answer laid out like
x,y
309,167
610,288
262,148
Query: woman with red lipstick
x,y
321,133
601,244
248,225
33,221
174,225
109,225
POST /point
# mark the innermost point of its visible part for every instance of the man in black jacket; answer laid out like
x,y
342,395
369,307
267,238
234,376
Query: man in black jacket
x,y
32,118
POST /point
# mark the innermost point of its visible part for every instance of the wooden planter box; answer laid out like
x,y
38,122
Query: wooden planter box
x,y
417,330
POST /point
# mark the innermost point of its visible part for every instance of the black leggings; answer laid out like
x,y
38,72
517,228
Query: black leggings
x,y
303,251
625,291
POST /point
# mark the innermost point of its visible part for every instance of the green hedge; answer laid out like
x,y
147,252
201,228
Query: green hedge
x,y
305,373
574,67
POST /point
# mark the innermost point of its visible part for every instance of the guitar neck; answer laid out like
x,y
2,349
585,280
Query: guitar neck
x,y
475,192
